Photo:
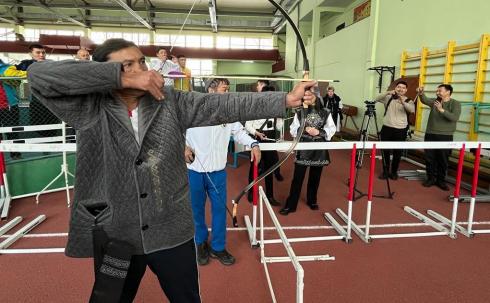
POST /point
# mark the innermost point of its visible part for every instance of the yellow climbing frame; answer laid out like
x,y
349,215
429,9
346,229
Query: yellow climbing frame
x,y
453,55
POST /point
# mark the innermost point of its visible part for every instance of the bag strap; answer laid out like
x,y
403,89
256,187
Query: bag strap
x,y
387,105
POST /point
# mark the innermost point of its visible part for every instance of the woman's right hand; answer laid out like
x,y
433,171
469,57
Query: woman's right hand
x,y
312,131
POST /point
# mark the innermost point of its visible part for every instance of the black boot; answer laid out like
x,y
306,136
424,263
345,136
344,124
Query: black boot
x,y
203,253
429,182
223,256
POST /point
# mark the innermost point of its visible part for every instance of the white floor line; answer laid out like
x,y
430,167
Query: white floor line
x,y
54,235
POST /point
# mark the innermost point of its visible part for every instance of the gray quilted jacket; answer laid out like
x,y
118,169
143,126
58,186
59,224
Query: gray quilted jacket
x,y
144,185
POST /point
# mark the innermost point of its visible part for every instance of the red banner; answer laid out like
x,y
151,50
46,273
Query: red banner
x,y
362,11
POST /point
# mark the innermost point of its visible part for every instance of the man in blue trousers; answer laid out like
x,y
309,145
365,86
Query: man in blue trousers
x,y
206,152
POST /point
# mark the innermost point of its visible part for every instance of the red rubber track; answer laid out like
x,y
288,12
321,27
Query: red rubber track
x,y
436,269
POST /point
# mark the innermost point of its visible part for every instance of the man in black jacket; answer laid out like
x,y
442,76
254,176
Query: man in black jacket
x,y
37,53
334,104
38,113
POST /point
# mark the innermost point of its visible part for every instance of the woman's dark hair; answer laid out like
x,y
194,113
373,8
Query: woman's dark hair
x,y
266,82
268,88
102,52
319,105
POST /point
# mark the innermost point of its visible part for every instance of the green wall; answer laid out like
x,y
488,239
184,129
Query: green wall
x,y
394,26
33,174
243,68
239,68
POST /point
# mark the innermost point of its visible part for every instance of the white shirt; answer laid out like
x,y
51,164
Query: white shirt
x,y
251,126
164,67
134,122
329,127
210,145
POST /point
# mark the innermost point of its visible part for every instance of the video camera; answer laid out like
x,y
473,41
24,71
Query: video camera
x,y
370,106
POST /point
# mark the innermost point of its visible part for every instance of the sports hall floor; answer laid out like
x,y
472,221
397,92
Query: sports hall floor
x,y
433,269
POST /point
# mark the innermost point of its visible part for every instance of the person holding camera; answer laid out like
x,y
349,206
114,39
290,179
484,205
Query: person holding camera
x,y
443,117
319,127
395,125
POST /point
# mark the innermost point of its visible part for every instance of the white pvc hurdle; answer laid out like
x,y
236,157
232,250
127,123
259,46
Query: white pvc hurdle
x,y
364,235
33,143
64,171
21,232
252,225
295,260
5,197
346,233
446,228
452,221
474,188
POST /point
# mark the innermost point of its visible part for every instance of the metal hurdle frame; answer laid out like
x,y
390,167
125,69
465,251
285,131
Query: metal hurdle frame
x,y
346,233
364,235
441,229
252,225
452,222
11,224
64,171
470,231
21,232
64,165
295,260
5,197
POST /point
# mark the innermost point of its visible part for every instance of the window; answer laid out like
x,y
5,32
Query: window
x,y
193,41
177,40
137,38
184,41
7,34
223,42
252,43
31,34
237,42
266,43
200,67
98,37
207,41
162,39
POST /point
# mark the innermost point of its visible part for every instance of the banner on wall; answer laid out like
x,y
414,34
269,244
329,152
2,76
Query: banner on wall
x,y
362,11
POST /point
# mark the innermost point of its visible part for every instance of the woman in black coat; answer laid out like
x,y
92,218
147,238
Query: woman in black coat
x,y
319,127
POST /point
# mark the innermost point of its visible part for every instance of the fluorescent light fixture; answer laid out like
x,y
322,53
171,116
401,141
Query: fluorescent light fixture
x,y
247,61
212,15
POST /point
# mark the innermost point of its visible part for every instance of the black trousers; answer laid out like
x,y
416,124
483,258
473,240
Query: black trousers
x,y
312,187
392,134
268,160
176,269
436,159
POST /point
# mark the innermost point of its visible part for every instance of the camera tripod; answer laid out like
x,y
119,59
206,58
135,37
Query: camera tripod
x,y
370,113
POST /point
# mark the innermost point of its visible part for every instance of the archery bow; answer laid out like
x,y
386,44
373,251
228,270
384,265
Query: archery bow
x,y
289,152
